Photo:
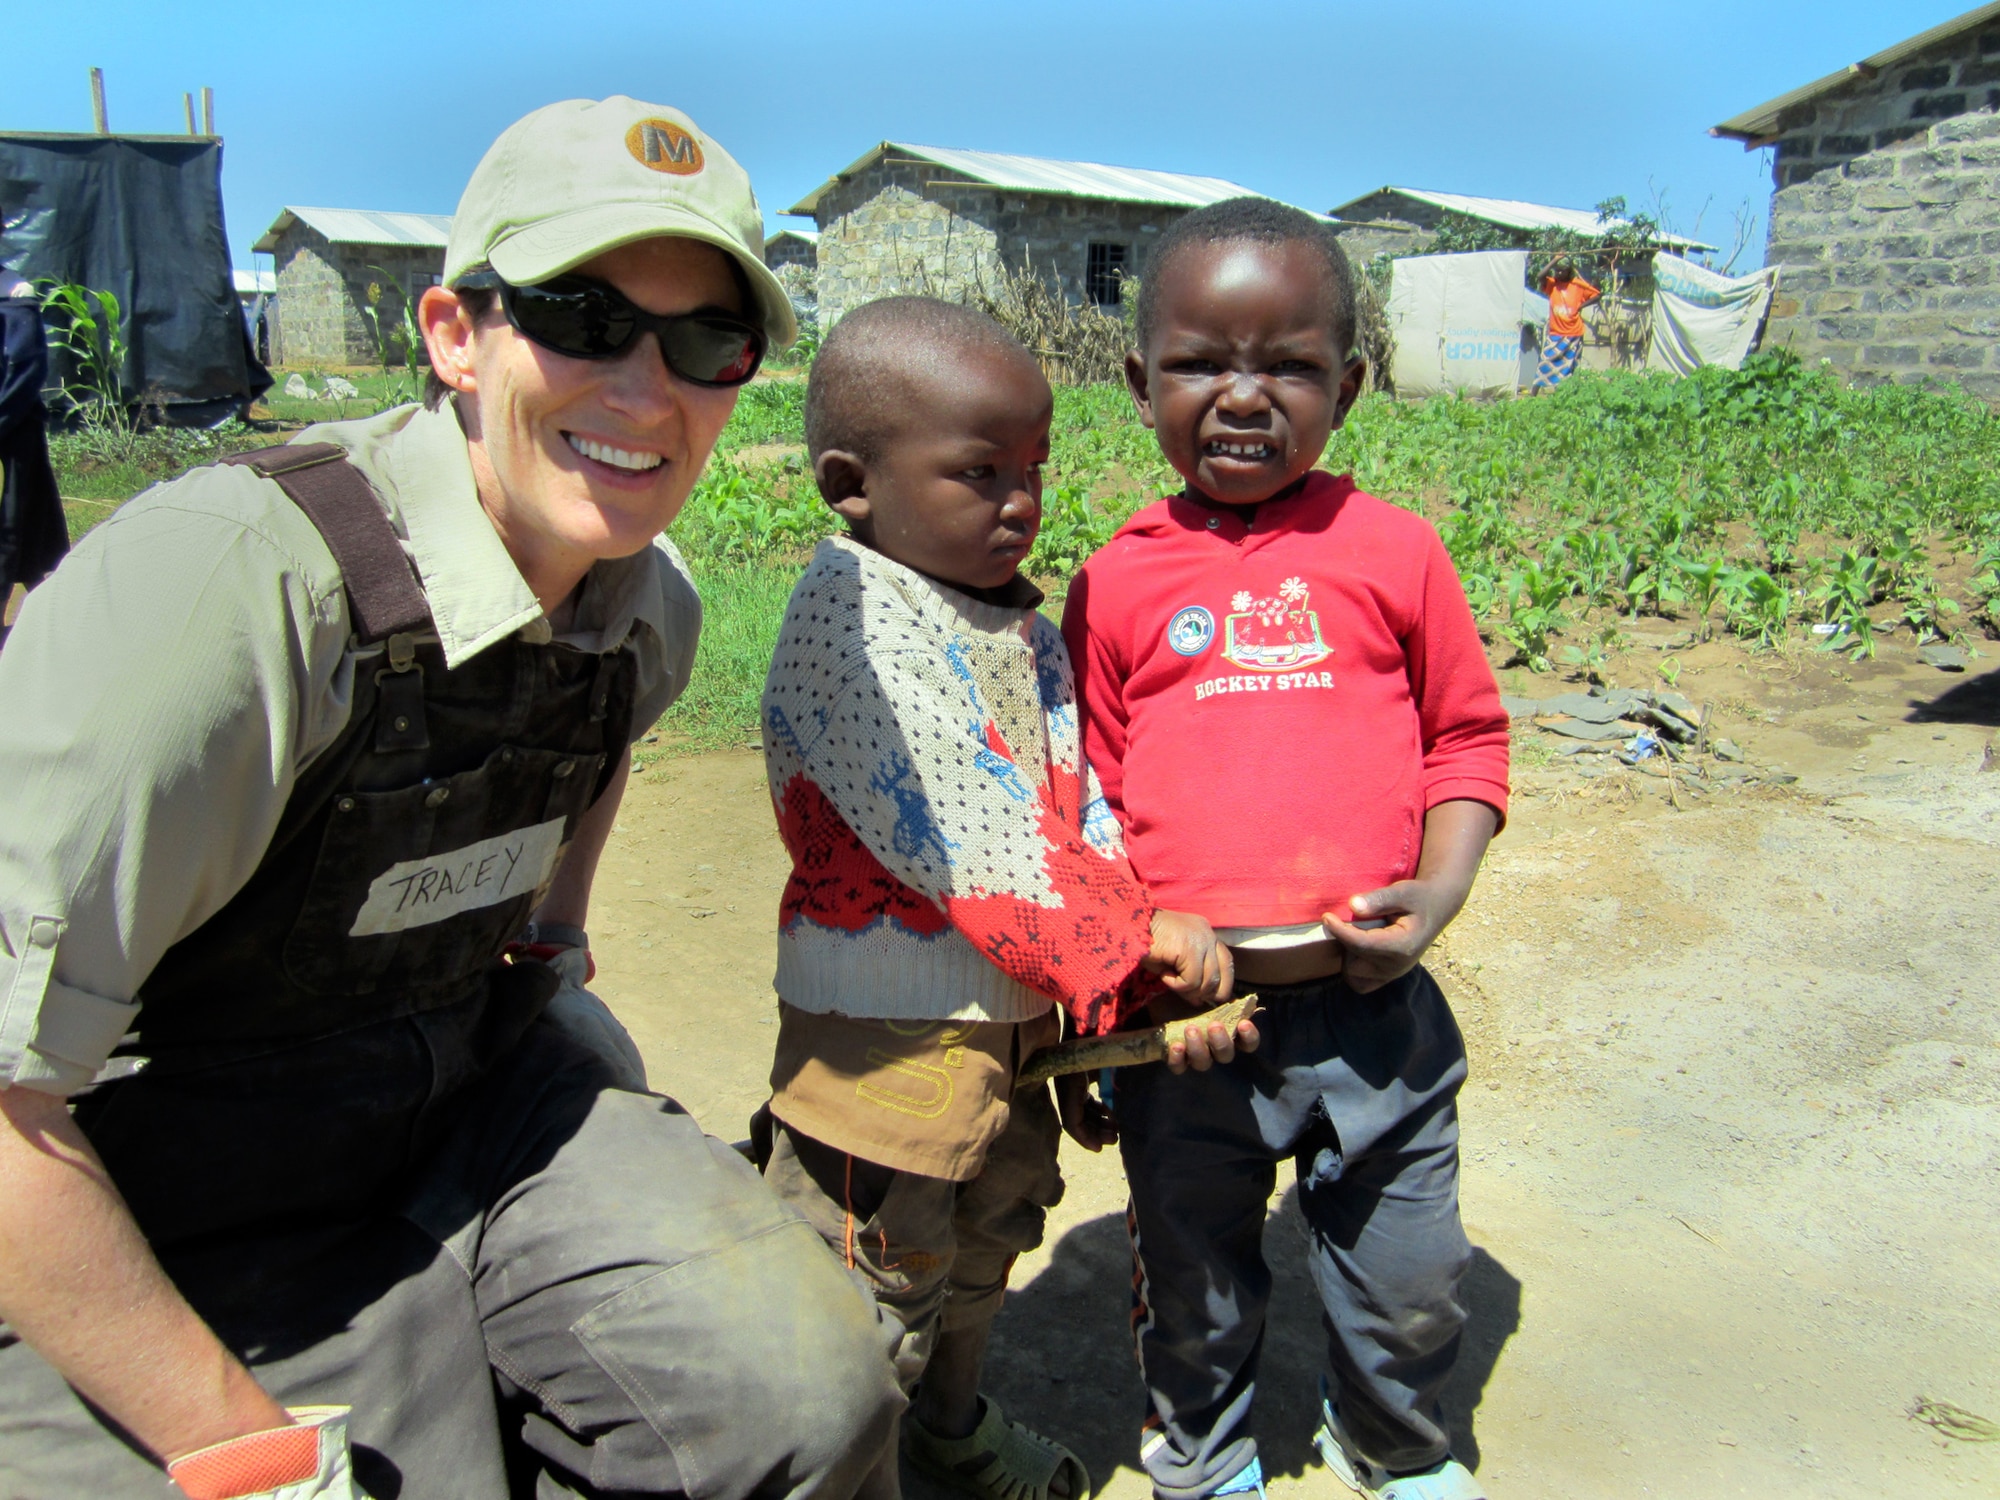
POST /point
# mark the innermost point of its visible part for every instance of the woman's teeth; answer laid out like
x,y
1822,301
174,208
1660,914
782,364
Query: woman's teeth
x,y
618,458
1239,450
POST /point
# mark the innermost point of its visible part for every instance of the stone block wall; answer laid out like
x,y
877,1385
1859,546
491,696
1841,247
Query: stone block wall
x,y
1886,222
789,251
901,227
1365,240
322,288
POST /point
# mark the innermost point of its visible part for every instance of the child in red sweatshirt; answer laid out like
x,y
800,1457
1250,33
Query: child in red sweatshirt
x,y
1286,701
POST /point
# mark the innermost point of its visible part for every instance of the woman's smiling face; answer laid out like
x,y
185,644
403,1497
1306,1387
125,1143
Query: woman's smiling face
x,y
579,460
1242,380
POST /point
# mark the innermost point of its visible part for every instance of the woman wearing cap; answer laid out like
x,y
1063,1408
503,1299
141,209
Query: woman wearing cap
x,y
306,765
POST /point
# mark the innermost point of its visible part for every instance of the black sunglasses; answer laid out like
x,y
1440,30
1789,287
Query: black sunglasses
x,y
588,319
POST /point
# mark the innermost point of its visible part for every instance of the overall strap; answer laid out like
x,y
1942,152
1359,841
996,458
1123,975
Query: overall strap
x,y
383,595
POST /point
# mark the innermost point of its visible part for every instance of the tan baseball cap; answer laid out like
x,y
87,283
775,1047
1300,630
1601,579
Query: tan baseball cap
x,y
575,179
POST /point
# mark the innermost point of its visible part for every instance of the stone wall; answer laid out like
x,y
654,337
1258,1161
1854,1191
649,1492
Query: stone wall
x,y
1363,241
1394,208
1886,222
901,227
789,250
322,288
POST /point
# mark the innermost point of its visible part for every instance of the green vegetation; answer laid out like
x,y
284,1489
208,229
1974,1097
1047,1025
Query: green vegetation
x,y
1754,504
1761,502
87,333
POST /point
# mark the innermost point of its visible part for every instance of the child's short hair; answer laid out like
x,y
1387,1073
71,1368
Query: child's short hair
x,y
862,371
1261,219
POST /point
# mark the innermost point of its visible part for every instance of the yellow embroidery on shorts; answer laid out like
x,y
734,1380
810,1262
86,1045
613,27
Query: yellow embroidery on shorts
x,y
953,1043
908,1104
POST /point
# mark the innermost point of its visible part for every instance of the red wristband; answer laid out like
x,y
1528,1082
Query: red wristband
x,y
248,1465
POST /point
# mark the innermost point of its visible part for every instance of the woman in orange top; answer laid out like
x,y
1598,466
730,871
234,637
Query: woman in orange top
x,y
1563,346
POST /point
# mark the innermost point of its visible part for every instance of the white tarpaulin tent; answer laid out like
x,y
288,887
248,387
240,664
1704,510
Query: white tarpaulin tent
x,y
1457,321
1701,317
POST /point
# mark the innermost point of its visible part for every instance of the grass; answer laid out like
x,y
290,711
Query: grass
x,y
742,604
1755,503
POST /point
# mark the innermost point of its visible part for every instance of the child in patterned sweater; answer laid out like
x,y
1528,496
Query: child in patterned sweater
x,y
955,874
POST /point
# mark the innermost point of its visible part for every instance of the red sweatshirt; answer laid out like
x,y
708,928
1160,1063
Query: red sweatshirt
x,y
1273,707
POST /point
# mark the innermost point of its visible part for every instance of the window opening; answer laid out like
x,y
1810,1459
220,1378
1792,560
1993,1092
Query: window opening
x,y
1104,270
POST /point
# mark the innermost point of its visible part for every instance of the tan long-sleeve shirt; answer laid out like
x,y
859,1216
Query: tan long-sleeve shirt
x,y
163,690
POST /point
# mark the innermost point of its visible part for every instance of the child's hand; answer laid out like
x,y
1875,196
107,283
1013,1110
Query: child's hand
x,y
1416,911
1189,960
1085,1120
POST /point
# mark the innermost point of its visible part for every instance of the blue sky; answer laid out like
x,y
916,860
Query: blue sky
x,y
367,104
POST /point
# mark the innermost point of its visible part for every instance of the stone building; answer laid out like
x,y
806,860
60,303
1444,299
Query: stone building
x,y
930,219
792,247
326,260
1885,214
1403,221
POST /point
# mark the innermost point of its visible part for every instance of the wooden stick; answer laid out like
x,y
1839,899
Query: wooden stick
x,y
187,103
1123,1049
97,101
207,111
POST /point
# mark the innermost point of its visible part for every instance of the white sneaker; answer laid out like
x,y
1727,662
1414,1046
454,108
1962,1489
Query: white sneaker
x,y
1450,1480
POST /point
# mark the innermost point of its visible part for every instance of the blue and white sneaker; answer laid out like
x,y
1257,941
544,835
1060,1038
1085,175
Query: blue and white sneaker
x,y
1450,1480
1248,1480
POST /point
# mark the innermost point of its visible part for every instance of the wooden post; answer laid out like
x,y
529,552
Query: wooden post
x,y
208,111
187,103
97,100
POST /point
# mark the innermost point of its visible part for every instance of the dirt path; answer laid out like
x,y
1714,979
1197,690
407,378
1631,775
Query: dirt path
x,y
1731,1140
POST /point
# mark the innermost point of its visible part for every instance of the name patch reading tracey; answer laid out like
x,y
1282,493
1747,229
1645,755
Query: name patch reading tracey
x,y
417,892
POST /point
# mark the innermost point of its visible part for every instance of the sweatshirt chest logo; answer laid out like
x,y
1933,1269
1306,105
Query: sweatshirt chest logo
x,y
1274,634
1190,630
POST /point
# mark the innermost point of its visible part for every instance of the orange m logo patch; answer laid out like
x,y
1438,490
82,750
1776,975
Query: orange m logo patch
x,y
665,147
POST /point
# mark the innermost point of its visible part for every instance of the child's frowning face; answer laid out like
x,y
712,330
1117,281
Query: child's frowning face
x,y
1243,378
956,490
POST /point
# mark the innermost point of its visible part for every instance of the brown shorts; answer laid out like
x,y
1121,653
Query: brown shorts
x,y
919,1096
935,1253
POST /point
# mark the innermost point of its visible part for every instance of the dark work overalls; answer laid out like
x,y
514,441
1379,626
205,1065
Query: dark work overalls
x,y
274,1024
355,1149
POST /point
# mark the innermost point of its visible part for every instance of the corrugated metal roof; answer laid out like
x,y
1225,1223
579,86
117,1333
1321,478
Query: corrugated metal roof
x,y
1515,214
1756,127
810,236
362,226
251,283
1039,174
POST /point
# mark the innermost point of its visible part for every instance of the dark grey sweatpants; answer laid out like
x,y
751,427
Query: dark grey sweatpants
x,y
1360,1092
581,1295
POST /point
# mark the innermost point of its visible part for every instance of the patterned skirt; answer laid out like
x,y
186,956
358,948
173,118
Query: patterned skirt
x,y
1559,356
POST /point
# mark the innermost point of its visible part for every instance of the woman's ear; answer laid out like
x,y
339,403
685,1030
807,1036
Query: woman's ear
x,y
842,478
448,333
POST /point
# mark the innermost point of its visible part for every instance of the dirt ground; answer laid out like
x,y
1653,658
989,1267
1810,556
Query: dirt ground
x,y
1730,1140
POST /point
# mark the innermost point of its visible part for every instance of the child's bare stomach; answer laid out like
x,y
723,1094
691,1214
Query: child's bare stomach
x,y
1281,955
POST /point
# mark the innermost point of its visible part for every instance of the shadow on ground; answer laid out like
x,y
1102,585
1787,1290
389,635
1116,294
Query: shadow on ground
x,y
1973,701
1061,1358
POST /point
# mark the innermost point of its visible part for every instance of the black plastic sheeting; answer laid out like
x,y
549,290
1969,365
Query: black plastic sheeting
x,y
33,534
140,217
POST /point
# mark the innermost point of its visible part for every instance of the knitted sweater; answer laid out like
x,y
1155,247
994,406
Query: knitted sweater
x,y
952,858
